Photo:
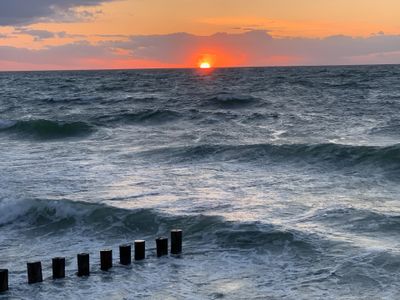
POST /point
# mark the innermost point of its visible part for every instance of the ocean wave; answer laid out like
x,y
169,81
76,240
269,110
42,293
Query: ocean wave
x,y
346,85
113,86
358,220
390,128
144,117
5,124
130,99
337,154
45,129
228,101
43,217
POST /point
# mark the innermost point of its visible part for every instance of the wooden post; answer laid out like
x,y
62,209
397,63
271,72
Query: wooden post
x,y
140,249
83,264
162,246
105,260
176,241
3,280
125,254
34,272
58,265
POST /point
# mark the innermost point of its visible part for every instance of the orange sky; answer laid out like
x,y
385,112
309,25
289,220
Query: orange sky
x,y
117,20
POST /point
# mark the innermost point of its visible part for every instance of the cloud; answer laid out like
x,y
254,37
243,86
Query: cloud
x,y
258,48
57,55
40,35
17,12
253,48
37,34
79,55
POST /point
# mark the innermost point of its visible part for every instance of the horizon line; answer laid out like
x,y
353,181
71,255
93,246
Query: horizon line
x,y
196,68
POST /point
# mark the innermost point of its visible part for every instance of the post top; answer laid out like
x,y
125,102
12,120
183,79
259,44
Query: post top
x,y
176,230
139,241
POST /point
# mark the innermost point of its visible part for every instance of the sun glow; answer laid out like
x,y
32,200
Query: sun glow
x,y
205,65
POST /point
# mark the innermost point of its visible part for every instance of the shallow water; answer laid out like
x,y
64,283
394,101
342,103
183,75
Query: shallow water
x,y
284,180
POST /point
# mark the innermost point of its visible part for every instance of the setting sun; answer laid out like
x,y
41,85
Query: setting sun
x,y
205,65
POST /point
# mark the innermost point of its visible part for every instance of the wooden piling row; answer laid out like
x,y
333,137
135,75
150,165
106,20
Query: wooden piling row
x,y
34,269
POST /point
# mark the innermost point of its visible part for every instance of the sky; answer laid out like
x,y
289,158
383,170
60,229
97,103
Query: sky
x,y
117,34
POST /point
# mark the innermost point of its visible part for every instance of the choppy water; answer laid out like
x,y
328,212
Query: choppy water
x,y
285,181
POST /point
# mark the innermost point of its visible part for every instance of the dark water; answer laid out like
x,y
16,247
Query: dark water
x,y
285,181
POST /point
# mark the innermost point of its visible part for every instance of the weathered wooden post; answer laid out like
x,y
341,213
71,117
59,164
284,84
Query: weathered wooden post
x,y
34,272
162,246
176,241
125,254
58,266
3,280
105,260
83,264
140,249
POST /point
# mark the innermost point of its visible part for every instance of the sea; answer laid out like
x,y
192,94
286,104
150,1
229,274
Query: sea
x,y
285,181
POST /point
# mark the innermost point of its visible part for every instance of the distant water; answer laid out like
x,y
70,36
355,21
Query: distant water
x,y
286,181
